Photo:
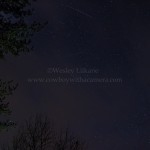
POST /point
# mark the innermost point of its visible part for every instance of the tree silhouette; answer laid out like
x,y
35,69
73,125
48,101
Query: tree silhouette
x,y
6,89
40,134
15,31
67,142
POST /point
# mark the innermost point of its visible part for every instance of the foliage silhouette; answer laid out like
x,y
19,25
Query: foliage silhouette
x,y
15,30
39,134
6,89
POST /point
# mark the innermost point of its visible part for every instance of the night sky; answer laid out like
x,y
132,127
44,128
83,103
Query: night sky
x,y
111,36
